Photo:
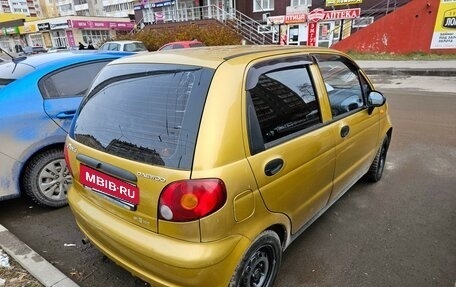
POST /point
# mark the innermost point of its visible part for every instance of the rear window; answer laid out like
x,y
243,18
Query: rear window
x,y
135,47
148,113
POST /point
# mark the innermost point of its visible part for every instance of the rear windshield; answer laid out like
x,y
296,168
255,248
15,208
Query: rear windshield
x,y
135,47
148,113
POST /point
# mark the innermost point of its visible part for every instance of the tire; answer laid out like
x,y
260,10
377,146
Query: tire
x,y
378,165
46,178
260,263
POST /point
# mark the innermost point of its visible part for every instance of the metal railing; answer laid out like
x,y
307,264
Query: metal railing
x,y
242,24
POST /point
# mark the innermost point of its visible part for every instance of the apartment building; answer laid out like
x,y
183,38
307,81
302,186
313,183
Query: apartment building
x,y
105,8
26,7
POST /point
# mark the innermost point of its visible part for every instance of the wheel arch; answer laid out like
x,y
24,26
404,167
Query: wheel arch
x,y
282,232
29,157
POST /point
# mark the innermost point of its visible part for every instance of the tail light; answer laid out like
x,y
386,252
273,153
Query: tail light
x,y
189,200
67,160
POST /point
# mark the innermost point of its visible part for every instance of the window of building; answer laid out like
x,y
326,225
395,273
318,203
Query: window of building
x,y
263,5
95,36
362,22
59,39
36,40
301,2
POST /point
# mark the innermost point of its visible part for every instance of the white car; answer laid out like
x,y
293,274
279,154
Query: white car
x,y
127,46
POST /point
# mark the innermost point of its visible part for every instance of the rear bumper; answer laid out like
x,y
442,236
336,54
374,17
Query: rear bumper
x,y
157,259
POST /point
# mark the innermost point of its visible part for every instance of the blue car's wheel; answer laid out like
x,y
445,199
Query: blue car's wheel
x,y
47,179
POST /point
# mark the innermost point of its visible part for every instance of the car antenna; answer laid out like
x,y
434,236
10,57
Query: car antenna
x,y
14,59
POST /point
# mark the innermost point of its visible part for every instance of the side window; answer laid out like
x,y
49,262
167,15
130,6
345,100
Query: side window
x,y
56,85
282,102
130,47
167,47
343,84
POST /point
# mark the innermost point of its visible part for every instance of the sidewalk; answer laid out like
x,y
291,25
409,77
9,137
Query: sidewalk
x,y
36,265
441,68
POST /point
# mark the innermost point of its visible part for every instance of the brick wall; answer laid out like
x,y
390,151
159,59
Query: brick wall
x,y
409,29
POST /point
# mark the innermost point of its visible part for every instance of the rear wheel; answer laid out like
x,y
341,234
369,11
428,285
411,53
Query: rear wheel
x,y
378,165
46,178
260,264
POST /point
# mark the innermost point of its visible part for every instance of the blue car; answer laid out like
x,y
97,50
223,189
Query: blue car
x,y
38,97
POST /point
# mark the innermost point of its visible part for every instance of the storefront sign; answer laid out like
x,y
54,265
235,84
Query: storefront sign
x,y
157,4
342,14
444,36
56,26
43,26
70,37
342,2
81,24
316,15
312,34
296,18
275,20
9,31
322,15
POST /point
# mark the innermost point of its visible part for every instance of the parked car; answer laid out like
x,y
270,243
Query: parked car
x,y
32,50
125,45
219,157
38,98
181,45
57,49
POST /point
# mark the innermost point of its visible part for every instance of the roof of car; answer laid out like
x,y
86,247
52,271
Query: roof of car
x,y
45,58
213,56
123,41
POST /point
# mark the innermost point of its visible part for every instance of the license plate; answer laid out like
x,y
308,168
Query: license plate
x,y
109,185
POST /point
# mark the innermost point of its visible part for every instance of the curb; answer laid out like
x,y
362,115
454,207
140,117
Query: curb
x,y
411,72
36,265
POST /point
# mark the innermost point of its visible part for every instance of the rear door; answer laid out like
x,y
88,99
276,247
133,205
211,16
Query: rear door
x,y
137,130
355,128
292,152
63,90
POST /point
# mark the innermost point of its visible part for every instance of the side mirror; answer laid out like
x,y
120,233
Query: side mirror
x,y
375,99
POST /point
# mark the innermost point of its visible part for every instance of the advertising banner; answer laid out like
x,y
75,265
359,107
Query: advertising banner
x,y
312,34
319,14
444,36
342,2
82,24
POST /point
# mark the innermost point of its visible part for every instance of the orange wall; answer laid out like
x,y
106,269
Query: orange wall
x,y
409,29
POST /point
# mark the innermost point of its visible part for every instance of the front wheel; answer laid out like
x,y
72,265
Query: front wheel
x,y
46,178
261,262
378,165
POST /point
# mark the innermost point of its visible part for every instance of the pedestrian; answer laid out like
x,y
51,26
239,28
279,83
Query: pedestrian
x,y
90,46
81,46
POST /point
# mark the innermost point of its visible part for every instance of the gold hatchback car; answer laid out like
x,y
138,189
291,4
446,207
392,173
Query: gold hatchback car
x,y
199,167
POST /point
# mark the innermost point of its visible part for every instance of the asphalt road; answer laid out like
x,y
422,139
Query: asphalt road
x,y
398,232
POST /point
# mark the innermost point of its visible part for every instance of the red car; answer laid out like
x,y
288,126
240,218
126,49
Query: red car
x,y
181,44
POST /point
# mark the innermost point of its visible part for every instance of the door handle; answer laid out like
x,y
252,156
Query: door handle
x,y
273,167
66,114
344,131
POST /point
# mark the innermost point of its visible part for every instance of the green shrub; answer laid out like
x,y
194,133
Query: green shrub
x,y
210,34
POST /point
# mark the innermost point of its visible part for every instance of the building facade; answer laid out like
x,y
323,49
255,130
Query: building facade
x,y
65,31
105,8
